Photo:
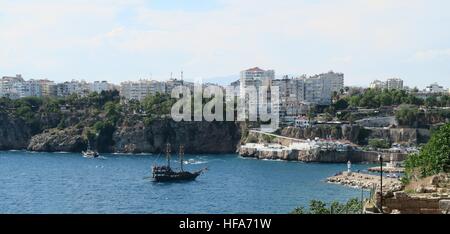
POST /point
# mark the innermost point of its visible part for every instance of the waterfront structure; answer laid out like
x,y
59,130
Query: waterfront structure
x,y
394,83
434,88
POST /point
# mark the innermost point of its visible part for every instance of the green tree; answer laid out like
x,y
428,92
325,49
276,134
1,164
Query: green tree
x,y
407,115
353,206
379,143
433,158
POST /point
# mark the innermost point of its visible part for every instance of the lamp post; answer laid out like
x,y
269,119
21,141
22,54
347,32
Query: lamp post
x,y
380,158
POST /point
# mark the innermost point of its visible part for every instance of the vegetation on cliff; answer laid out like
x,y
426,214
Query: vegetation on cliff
x,y
433,158
108,125
374,98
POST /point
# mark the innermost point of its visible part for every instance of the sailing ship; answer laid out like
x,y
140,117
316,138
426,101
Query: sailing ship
x,y
89,153
167,174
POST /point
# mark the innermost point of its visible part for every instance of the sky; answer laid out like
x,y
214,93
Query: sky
x,y
213,40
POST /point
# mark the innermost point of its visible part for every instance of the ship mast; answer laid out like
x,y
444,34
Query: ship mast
x,y
181,156
168,154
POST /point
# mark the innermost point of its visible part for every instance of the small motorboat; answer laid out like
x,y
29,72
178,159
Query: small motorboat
x,y
90,154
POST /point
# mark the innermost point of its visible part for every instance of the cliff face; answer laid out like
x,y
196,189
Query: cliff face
x,y
197,137
55,140
344,132
14,134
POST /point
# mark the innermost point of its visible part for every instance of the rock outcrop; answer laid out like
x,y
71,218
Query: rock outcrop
x,y
197,137
14,133
55,140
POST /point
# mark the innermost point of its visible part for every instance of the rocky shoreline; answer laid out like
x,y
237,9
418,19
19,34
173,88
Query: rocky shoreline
x,y
365,181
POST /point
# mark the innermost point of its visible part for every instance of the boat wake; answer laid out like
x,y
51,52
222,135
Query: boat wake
x,y
194,162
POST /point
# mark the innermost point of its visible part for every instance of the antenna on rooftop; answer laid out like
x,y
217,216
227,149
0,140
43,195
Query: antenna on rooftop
x,y
181,75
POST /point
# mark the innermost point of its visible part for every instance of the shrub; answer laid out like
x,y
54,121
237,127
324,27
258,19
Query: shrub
x,y
433,158
379,143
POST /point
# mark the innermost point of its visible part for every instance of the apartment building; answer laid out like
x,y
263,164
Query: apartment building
x,y
253,79
394,83
138,90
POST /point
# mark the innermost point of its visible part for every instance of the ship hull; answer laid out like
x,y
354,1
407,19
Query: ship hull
x,y
181,176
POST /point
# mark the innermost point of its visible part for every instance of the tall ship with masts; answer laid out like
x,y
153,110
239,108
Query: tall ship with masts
x,y
167,174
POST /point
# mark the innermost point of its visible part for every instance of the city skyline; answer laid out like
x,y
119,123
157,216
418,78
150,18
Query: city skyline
x,y
130,40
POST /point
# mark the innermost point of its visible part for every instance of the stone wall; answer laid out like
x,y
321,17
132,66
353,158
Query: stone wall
x,y
405,204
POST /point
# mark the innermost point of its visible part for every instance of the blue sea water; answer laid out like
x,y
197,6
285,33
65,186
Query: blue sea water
x,y
68,183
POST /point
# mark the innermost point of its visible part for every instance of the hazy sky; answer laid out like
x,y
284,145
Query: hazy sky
x,y
120,40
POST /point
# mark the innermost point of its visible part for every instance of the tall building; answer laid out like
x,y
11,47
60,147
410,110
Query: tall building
x,y
8,85
335,81
394,83
172,83
254,78
48,88
30,88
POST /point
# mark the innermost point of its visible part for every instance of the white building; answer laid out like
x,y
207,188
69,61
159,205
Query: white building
x,y
8,85
377,84
30,88
319,89
99,86
80,88
394,83
138,90
251,80
435,88
302,122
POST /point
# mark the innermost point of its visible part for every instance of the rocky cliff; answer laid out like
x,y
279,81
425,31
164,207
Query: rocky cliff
x,y
14,133
55,140
344,132
197,137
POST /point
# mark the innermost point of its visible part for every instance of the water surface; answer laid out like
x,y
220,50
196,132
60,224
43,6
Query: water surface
x,y
68,183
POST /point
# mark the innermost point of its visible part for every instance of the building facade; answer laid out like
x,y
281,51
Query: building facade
x,y
138,90
435,88
394,83
9,85
250,83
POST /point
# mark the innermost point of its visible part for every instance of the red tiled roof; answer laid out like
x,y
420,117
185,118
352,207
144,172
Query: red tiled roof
x,y
255,69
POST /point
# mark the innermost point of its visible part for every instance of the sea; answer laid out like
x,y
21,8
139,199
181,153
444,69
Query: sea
x,y
60,183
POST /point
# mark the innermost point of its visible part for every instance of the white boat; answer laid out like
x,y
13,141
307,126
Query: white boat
x,y
90,154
